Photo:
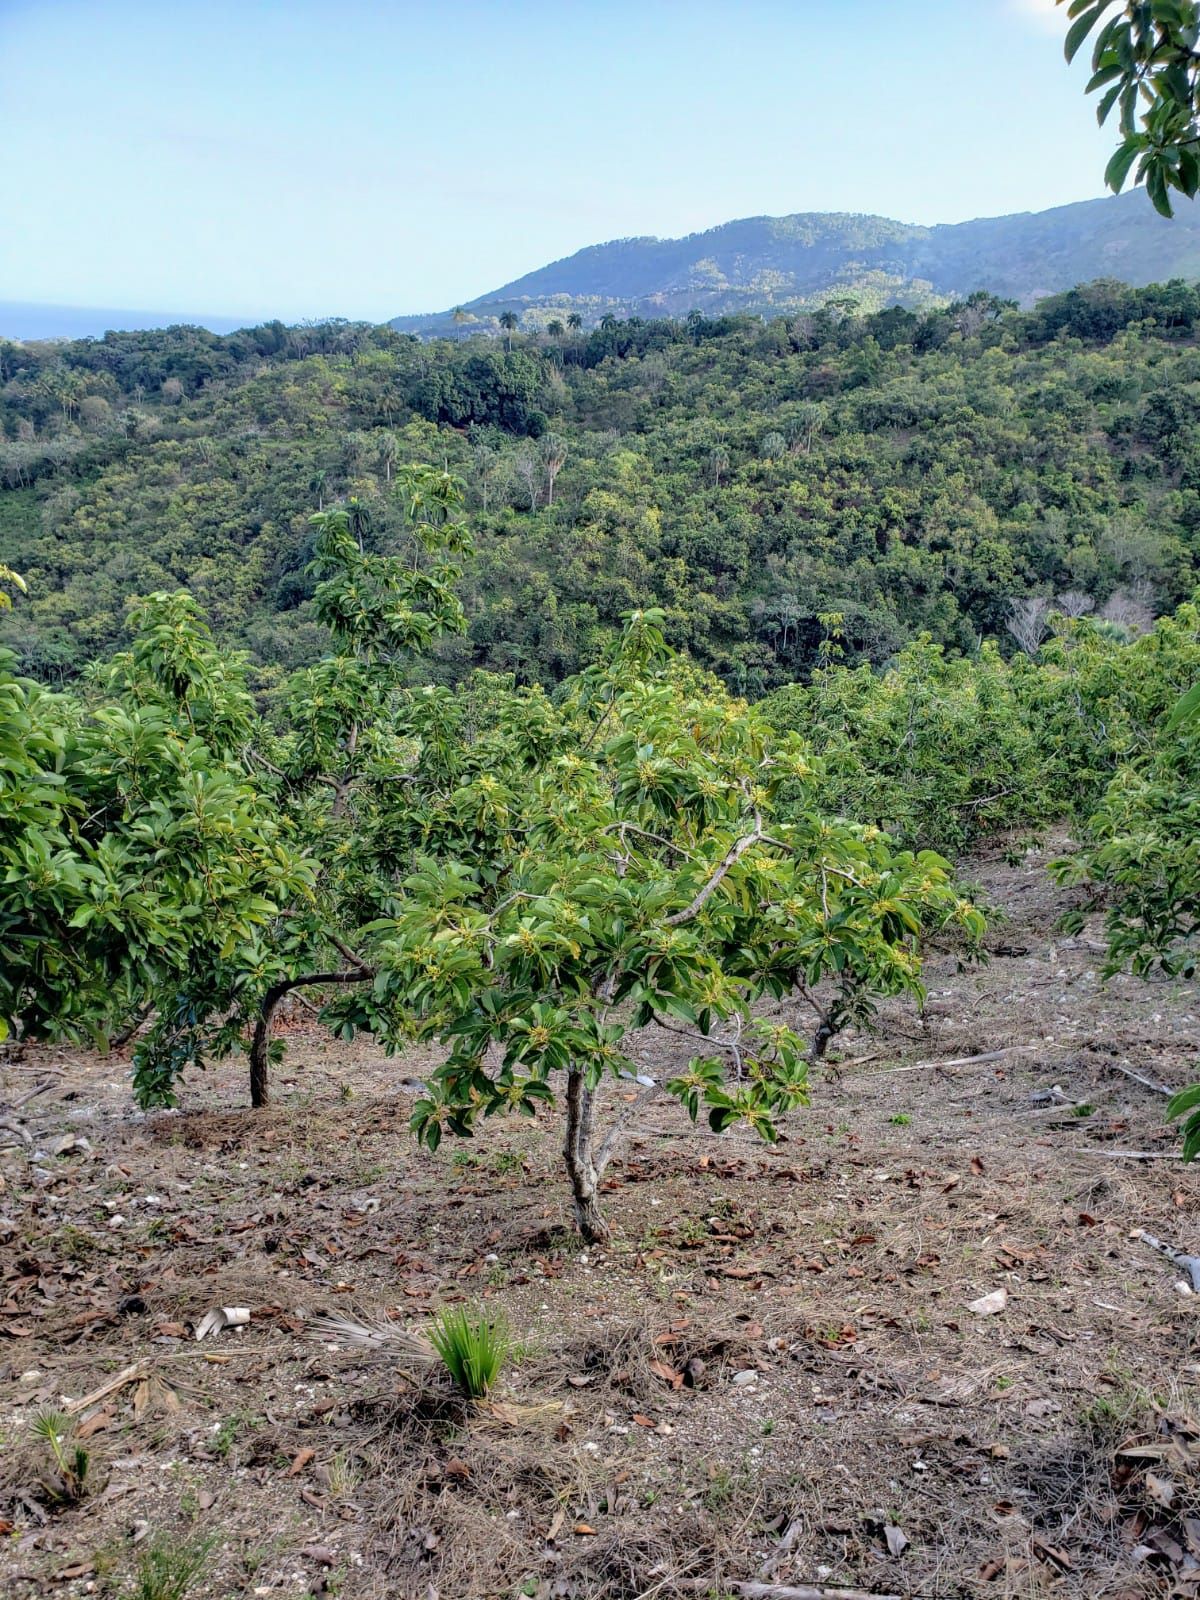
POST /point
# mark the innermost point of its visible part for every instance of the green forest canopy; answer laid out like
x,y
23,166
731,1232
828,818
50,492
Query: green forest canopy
x,y
913,472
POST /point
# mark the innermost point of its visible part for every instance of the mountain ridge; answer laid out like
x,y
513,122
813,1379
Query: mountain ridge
x,y
785,265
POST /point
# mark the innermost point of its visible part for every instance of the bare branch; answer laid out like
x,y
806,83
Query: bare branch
x,y
608,1145
730,859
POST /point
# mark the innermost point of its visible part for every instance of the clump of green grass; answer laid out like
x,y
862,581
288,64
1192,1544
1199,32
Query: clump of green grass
x,y
72,1463
166,1569
473,1348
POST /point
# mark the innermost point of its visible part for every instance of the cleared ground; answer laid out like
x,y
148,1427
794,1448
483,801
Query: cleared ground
x,y
772,1376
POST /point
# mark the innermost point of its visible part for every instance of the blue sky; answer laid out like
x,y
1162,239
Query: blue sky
x,y
335,157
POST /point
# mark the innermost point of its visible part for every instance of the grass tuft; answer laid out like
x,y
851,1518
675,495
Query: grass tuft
x,y
166,1570
473,1348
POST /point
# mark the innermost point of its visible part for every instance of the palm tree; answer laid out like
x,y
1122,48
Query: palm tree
x,y
460,315
575,322
555,328
508,321
316,486
360,518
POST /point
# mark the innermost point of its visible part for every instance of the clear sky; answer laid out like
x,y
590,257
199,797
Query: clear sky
x,y
340,157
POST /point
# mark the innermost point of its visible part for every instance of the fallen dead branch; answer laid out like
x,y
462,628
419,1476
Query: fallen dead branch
x,y
1132,1155
754,1590
126,1376
1190,1264
1148,1083
963,1061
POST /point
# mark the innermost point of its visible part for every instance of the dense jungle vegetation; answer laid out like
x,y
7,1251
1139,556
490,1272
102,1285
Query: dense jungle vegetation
x,y
913,472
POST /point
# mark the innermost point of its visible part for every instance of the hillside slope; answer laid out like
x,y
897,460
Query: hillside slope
x,y
911,472
824,1306
782,264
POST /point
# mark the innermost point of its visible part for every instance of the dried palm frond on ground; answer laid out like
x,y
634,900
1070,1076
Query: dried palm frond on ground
x,y
381,1337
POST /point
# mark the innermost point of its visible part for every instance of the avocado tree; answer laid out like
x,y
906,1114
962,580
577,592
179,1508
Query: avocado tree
x,y
619,856
335,766
136,860
1140,850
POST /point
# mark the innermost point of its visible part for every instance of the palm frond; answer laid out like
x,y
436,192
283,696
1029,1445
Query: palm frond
x,y
385,1338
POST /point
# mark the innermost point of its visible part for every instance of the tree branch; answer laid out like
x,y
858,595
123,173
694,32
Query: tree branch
x,y
730,859
608,1145
345,950
311,979
629,827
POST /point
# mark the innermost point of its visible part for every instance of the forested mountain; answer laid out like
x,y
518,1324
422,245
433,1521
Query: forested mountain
x,y
774,265
911,471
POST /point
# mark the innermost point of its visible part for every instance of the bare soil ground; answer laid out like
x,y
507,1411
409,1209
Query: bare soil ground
x,y
772,1376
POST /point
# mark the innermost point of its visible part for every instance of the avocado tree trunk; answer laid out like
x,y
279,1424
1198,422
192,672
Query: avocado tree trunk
x,y
260,1048
579,1155
260,1043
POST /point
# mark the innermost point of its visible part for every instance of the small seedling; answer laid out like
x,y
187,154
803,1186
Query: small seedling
x,y
901,1119
72,1462
473,1349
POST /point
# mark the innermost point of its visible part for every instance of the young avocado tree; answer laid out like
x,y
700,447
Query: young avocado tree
x,y
136,861
1141,845
615,857
337,769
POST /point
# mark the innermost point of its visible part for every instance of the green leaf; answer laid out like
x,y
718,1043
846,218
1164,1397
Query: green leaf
x,y
1156,188
1081,27
1119,164
1104,75
1186,709
1107,101
1183,1101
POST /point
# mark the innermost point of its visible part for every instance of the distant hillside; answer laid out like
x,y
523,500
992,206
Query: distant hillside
x,y
914,472
781,265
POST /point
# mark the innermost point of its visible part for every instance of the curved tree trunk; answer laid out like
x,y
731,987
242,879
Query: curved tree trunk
x,y
260,1044
121,1038
578,1152
821,1039
260,1048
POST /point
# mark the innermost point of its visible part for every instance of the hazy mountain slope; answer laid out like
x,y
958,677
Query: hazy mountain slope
x,y
773,264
